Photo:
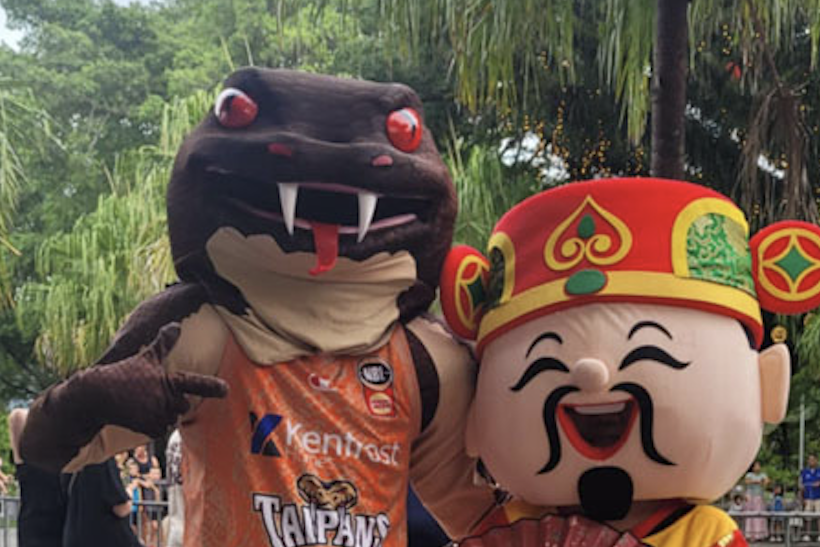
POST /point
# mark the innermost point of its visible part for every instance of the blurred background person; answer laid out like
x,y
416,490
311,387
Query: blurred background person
x,y
151,512
98,507
756,481
176,504
422,529
42,512
145,460
133,488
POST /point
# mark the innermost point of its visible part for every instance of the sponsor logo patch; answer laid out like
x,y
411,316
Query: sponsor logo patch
x,y
293,437
376,376
262,431
320,383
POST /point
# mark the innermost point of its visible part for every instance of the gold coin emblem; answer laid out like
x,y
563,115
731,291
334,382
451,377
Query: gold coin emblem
x,y
779,334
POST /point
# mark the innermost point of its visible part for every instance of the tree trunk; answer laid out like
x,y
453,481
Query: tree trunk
x,y
669,71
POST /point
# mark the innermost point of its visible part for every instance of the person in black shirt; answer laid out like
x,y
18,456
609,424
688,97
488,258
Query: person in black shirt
x,y
97,509
42,502
422,529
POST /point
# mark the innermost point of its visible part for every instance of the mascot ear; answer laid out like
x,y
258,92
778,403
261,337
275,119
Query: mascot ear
x,y
786,266
775,372
463,289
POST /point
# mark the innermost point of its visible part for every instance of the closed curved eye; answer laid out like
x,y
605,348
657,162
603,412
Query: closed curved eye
x,y
651,353
537,367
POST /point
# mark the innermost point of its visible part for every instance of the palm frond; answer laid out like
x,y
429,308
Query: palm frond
x,y
489,42
776,138
625,58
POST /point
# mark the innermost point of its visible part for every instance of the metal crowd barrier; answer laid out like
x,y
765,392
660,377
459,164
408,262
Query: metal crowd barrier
x,y
146,520
9,507
792,527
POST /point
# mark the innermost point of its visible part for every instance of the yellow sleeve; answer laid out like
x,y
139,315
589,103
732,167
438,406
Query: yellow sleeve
x,y
703,526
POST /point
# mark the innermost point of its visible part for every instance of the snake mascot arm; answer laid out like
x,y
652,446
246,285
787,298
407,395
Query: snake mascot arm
x,y
309,217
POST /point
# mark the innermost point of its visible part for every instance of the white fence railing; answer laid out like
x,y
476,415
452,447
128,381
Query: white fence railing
x,y
787,527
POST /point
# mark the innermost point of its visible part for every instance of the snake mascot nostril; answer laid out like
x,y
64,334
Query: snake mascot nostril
x,y
309,217
618,325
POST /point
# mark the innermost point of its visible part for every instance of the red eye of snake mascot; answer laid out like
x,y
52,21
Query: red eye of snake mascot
x,y
309,217
617,324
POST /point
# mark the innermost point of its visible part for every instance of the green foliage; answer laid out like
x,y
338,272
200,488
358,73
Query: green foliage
x,y
25,132
90,277
502,53
498,49
7,466
808,348
90,217
486,189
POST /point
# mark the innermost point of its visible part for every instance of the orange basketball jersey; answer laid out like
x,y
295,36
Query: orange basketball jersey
x,y
326,455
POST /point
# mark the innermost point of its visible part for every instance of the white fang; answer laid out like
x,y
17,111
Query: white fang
x,y
367,208
288,194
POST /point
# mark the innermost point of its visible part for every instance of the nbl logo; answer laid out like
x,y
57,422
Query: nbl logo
x,y
261,441
376,377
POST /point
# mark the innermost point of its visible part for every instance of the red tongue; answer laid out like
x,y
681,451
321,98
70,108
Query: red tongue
x,y
326,241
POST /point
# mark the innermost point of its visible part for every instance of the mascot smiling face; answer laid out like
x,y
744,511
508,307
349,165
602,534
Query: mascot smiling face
x,y
618,323
609,403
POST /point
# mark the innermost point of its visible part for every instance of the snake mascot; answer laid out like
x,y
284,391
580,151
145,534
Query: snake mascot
x,y
309,217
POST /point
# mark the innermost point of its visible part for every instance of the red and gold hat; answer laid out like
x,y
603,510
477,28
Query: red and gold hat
x,y
629,240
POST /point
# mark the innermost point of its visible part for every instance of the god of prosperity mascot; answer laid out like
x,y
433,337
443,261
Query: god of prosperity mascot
x,y
619,377
309,217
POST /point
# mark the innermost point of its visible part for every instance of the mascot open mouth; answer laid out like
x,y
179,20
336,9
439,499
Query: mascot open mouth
x,y
355,211
328,212
598,431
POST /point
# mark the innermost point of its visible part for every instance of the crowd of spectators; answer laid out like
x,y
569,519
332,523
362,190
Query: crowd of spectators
x,y
757,493
117,503
141,476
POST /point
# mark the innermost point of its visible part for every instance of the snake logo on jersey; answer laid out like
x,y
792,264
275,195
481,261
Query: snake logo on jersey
x,y
323,519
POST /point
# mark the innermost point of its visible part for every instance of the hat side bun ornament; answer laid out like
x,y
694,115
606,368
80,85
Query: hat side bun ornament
x,y
786,266
464,279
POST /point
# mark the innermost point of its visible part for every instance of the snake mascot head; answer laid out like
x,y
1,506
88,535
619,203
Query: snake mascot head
x,y
294,169
618,325
309,217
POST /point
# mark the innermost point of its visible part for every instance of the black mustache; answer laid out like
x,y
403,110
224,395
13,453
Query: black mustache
x,y
647,418
550,417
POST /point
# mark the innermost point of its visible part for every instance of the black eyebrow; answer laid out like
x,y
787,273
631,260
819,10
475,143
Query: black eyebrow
x,y
537,367
545,336
648,324
651,353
